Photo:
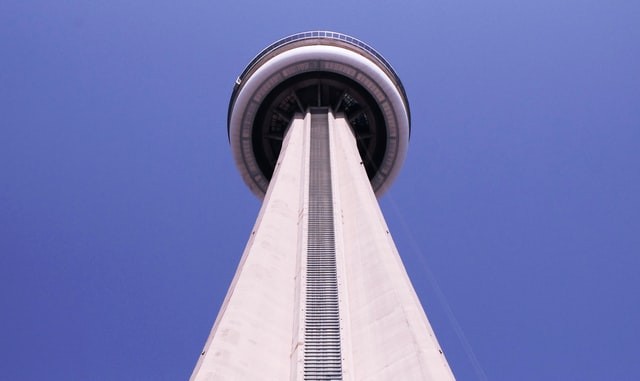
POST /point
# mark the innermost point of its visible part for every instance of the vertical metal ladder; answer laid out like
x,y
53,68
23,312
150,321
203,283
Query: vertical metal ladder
x,y
322,354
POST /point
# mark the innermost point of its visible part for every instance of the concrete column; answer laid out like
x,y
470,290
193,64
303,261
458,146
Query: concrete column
x,y
389,334
253,333
282,295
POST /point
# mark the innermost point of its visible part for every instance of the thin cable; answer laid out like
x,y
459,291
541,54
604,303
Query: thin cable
x,y
480,374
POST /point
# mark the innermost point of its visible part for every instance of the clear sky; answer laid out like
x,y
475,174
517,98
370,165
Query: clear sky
x,y
517,213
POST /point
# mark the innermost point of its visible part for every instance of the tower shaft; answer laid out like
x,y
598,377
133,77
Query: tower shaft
x,y
320,292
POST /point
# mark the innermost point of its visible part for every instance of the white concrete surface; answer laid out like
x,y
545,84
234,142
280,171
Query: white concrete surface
x,y
259,332
389,334
252,336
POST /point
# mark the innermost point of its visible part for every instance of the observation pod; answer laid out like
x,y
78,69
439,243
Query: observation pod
x,y
318,69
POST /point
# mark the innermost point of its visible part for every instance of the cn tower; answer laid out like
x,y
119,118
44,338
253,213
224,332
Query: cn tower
x,y
319,126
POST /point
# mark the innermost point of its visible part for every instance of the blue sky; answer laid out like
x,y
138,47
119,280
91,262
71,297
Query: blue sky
x,y
517,213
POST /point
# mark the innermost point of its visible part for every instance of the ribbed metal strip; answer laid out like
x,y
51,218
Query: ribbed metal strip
x,y
322,355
